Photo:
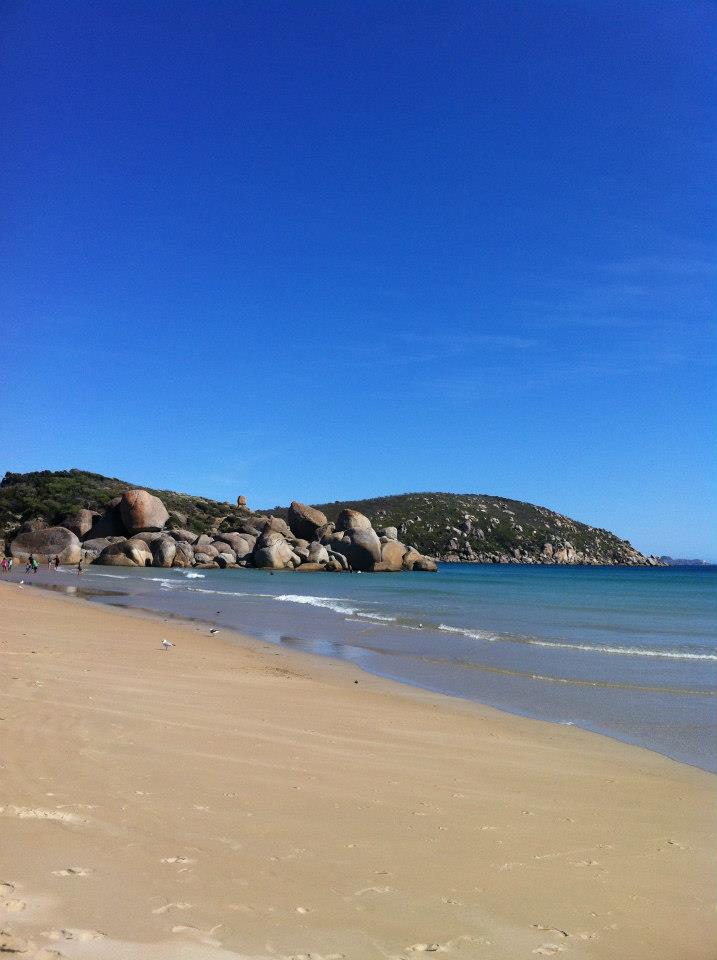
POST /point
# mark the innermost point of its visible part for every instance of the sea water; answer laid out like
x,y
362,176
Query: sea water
x,y
628,652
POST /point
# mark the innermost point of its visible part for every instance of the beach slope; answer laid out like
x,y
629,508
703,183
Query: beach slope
x,y
223,800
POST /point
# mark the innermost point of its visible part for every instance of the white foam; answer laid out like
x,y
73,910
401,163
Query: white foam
x,y
625,651
584,647
327,603
229,593
473,634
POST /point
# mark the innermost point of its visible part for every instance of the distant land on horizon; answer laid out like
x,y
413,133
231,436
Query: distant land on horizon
x,y
682,562
454,528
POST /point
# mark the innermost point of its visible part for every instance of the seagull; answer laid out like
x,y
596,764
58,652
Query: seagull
x,y
213,631
167,644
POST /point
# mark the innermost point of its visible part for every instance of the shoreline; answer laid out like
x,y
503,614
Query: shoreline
x,y
379,663
245,800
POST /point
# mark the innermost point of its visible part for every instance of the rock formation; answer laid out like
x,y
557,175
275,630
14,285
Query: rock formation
x,y
141,511
126,553
384,534
140,537
47,543
305,521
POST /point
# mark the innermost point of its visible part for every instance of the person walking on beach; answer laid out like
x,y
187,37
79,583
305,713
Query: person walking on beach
x,y
10,561
32,564
56,561
4,565
79,567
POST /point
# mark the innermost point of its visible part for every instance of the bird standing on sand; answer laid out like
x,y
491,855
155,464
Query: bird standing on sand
x,y
167,644
213,631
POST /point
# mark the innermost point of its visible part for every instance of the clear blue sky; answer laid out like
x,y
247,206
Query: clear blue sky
x,y
330,250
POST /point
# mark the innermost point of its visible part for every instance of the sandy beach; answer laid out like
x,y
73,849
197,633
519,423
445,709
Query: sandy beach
x,y
226,800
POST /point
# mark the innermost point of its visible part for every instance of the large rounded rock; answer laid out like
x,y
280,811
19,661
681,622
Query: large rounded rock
x,y
150,536
227,558
164,551
352,520
278,526
426,564
392,555
207,549
126,553
410,557
186,536
390,533
202,559
45,544
311,568
184,555
141,510
81,522
241,543
99,543
362,549
318,553
272,551
304,520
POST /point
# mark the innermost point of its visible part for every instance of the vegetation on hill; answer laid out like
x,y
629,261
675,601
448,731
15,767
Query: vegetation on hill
x,y
53,495
451,527
481,528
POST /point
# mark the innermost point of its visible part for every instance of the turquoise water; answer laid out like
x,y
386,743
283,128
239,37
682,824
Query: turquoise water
x,y
629,652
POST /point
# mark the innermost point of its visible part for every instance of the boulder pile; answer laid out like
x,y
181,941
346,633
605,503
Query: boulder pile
x,y
136,530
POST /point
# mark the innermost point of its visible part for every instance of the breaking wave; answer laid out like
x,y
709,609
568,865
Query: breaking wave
x,y
327,603
584,647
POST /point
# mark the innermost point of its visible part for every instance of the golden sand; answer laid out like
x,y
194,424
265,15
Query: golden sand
x,y
225,800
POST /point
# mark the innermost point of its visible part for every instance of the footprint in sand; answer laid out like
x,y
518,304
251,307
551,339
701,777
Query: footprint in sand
x,y
72,872
7,901
317,956
177,860
425,948
548,950
546,929
39,813
12,906
177,906
83,936
9,943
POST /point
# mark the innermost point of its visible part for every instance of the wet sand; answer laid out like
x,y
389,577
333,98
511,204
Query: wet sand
x,y
222,800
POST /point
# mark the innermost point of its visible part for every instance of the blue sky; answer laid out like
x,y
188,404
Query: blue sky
x,y
331,250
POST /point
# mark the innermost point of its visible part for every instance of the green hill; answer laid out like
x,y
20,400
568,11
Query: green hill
x,y
52,495
481,528
449,526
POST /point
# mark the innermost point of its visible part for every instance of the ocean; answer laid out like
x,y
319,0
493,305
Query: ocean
x,y
626,652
